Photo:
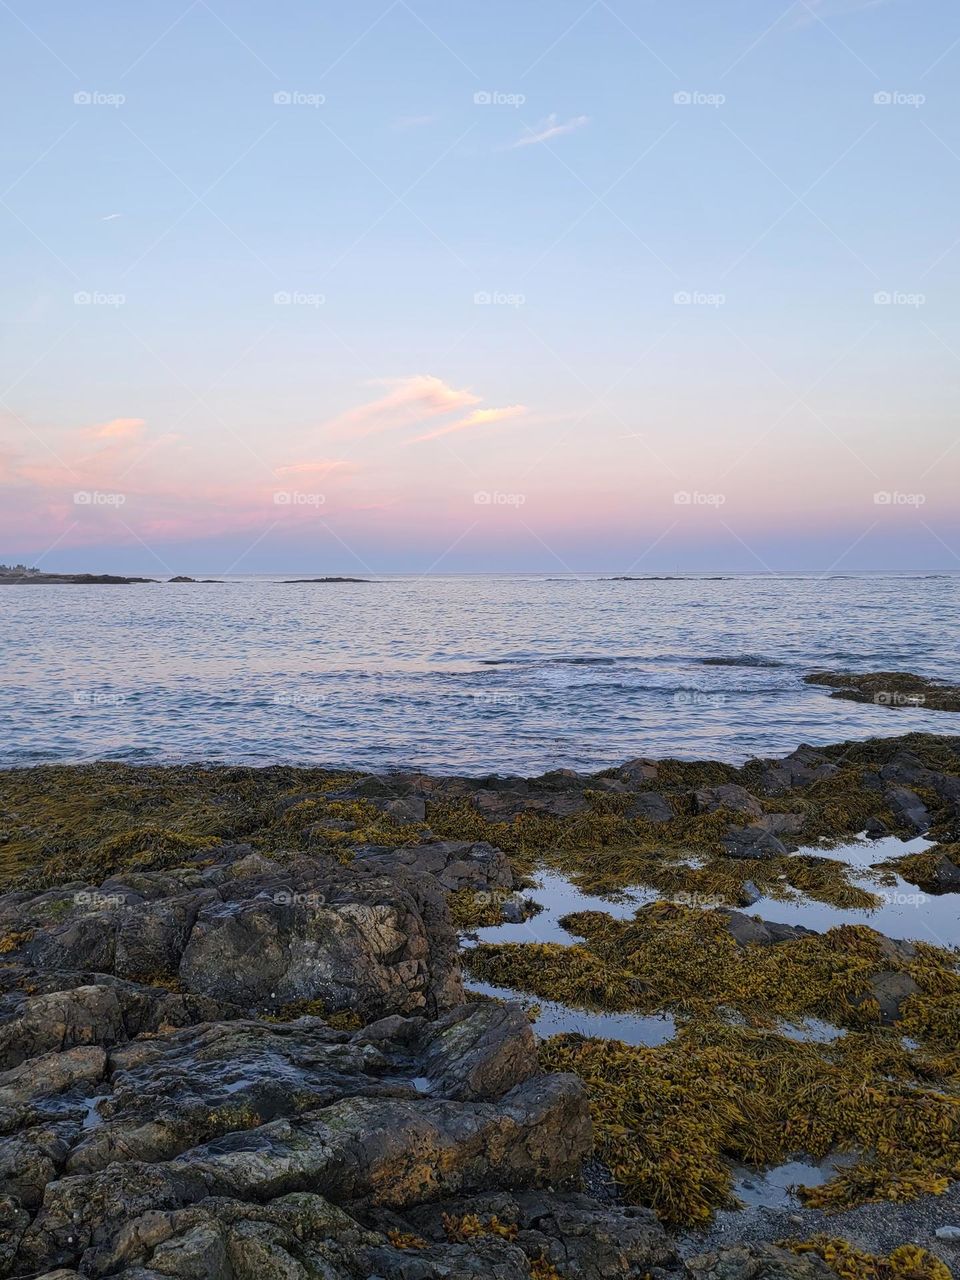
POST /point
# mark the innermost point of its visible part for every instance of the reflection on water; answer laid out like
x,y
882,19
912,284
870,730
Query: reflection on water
x,y
905,912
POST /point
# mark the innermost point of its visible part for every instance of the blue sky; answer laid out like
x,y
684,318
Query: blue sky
x,y
291,287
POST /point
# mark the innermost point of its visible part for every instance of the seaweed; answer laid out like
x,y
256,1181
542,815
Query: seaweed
x,y
908,1262
671,1122
679,958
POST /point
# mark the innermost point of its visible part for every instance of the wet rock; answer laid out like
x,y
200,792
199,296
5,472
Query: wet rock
x,y
572,1232
455,864
651,806
752,841
752,931
749,893
945,876
758,1261
908,808
478,1051
391,1151
876,828
637,772
781,824
93,1010
14,1221
728,795
801,768
890,989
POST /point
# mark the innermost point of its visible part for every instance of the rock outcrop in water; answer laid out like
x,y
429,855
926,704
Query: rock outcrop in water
x,y
894,689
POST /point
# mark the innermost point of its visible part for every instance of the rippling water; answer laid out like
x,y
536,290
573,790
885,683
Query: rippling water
x,y
470,674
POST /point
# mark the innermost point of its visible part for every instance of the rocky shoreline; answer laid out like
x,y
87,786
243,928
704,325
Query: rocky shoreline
x,y
235,1041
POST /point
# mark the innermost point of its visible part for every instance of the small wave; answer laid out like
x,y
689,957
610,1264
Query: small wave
x,y
595,661
664,577
741,660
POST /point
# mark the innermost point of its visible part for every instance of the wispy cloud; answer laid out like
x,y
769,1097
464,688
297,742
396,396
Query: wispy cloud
x,y
478,418
117,429
315,469
549,128
110,217
409,400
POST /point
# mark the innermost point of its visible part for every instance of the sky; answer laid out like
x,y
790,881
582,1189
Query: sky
x,y
514,286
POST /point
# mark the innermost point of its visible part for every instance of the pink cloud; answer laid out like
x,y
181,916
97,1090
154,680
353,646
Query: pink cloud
x,y
409,400
317,468
118,429
478,418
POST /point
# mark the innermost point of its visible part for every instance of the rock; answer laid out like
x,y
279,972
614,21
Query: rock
x,y
945,875
479,1051
750,893
758,1261
651,806
392,1151
781,824
889,988
572,1232
637,772
801,768
370,953
727,796
97,1011
455,864
908,808
516,908
752,931
948,1233
751,842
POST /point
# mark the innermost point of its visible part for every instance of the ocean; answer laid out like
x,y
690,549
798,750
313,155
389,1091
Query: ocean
x,y
460,673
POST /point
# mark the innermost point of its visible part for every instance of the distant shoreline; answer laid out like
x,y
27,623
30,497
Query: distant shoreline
x,y
110,579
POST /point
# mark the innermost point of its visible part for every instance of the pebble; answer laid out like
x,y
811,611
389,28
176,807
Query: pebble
x,y
948,1233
